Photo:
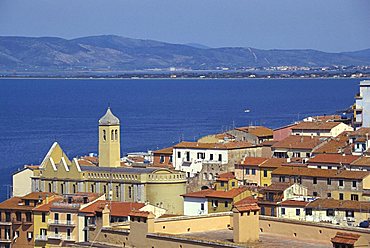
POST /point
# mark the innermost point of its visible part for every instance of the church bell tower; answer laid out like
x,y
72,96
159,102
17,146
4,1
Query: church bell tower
x,y
109,140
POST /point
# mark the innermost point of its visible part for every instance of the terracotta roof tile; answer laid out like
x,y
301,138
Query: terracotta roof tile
x,y
323,173
362,161
277,186
167,150
315,125
253,161
258,131
294,203
226,176
227,194
136,213
119,209
339,144
273,163
247,207
246,200
299,142
345,238
326,203
333,159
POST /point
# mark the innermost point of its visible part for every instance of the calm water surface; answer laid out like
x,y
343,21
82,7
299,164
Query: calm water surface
x,y
154,113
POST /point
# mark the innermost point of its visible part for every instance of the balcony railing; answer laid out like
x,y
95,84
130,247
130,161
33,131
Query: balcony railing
x,y
5,223
5,240
41,238
61,223
55,236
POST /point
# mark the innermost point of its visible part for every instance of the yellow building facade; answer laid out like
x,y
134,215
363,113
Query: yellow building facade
x,y
159,186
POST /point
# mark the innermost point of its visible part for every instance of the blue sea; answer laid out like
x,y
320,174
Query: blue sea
x,y
154,113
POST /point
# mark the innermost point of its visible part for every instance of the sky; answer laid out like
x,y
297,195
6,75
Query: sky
x,y
329,25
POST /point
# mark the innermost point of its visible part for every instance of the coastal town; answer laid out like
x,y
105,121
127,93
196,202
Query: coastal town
x,y
301,185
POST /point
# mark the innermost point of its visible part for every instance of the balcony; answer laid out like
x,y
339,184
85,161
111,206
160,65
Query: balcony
x,y
26,221
16,221
61,223
41,238
5,223
57,236
5,241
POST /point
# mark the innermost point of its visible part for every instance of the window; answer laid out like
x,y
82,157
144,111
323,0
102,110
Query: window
x,y
129,192
270,196
56,217
27,202
262,210
350,213
68,233
328,181
62,188
215,203
328,195
112,135
92,188
28,217
104,189
222,184
43,217
116,134
247,171
161,159
314,193
29,235
253,171
341,197
226,204
56,231
68,218
232,184
188,156
282,211
330,212
74,188
43,232
308,211
341,183
354,197
117,191
282,179
308,155
202,206
104,135
179,154
220,157
296,154
354,184
50,188
329,167
264,173
211,156
7,216
201,155
170,159
18,216
314,180
272,211
297,212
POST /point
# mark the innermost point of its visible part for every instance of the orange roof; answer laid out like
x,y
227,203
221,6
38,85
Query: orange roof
x,y
323,173
246,200
224,136
227,194
258,131
226,176
326,203
273,162
117,208
362,161
339,144
253,161
199,194
277,186
46,206
216,146
92,159
363,131
84,162
298,142
345,238
167,150
32,167
293,203
326,117
315,125
37,195
333,159
247,207
139,213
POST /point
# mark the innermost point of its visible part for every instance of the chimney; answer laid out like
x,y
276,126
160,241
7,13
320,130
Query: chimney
x,y
106,216
246,223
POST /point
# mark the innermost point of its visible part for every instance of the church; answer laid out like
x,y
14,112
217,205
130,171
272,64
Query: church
x,y
59,174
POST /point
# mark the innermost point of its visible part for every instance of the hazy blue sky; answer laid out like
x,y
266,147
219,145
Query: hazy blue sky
x,y
329,25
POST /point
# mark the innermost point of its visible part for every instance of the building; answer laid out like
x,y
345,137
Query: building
x,y
361,109
338,212
226,181
160,187
292,209
248,172
24,181
296,146
334,145
320,128
190,157
252,134
17,220
278,192
336,184
283,132
217,138
196,203
332,161
163,157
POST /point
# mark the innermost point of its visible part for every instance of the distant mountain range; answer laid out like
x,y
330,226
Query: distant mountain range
x,y
108,52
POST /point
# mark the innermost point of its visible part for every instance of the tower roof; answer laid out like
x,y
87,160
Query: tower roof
x,y
109,119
